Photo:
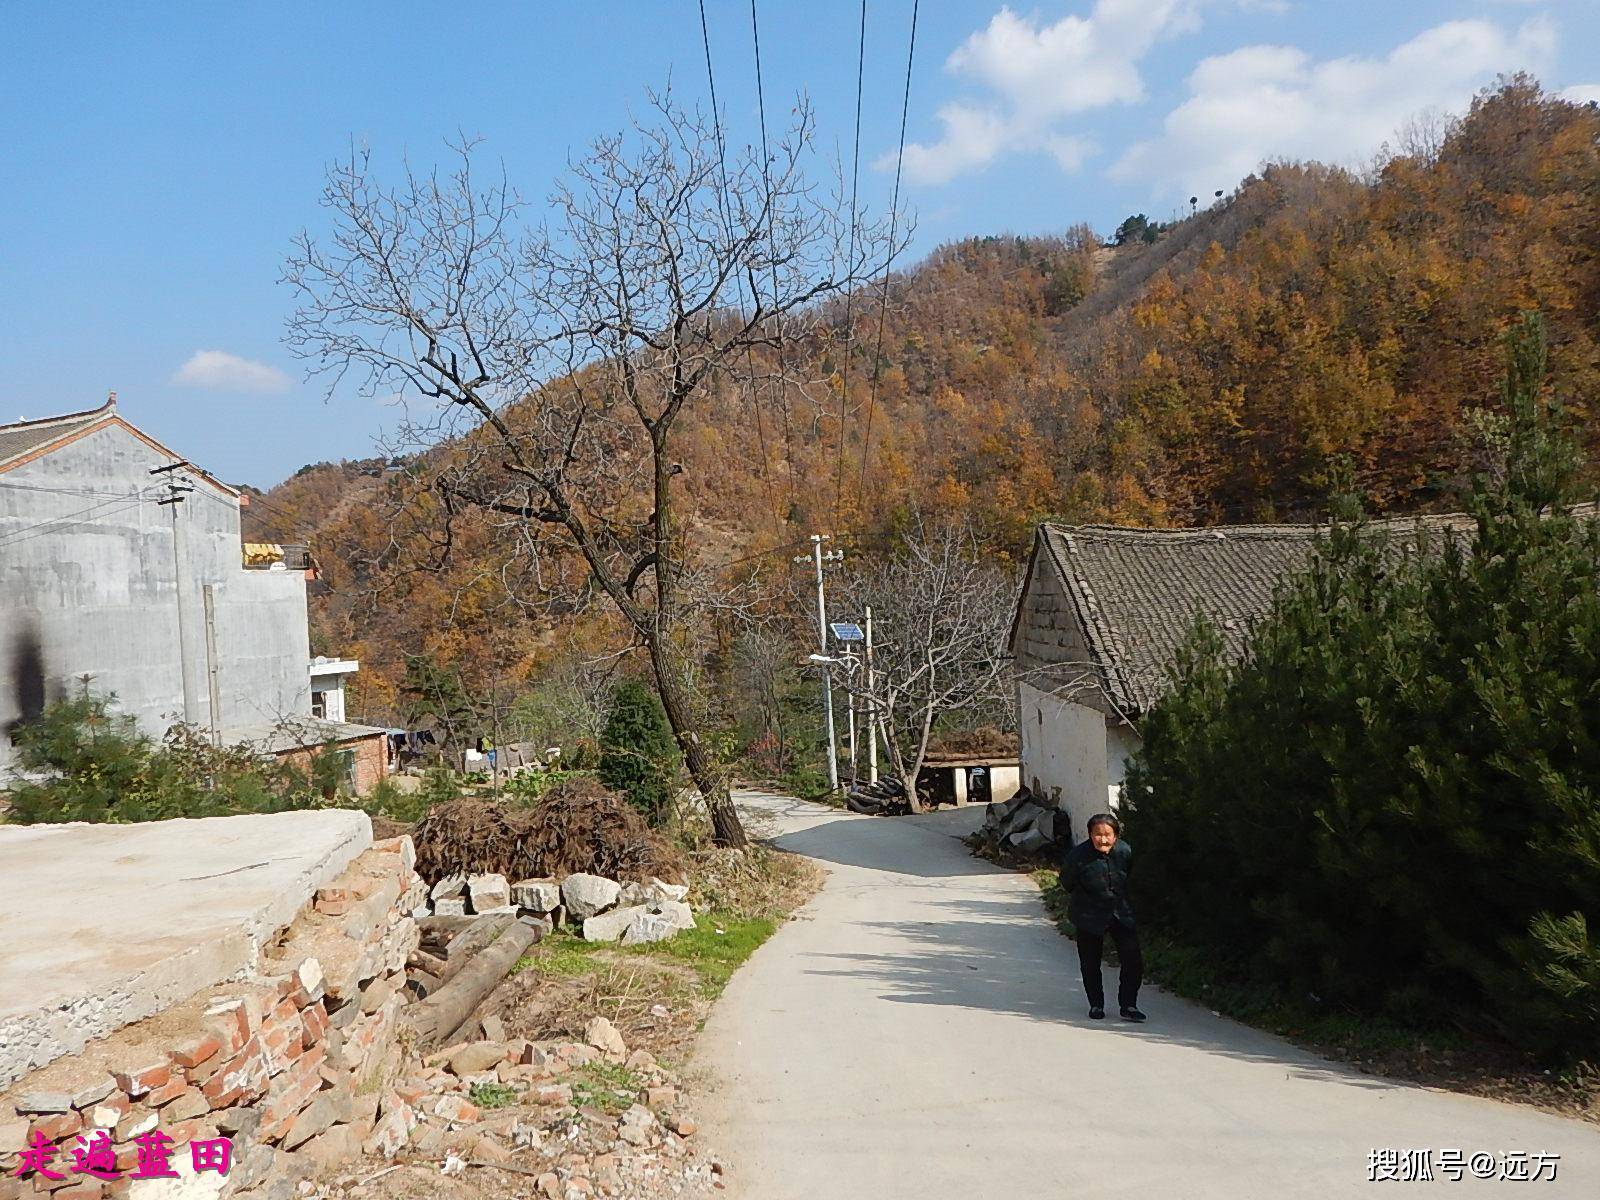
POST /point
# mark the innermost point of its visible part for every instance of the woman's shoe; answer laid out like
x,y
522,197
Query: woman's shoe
x,y
1132,1014
1097,1014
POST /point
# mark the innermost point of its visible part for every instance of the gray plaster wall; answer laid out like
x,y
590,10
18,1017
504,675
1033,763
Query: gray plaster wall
x,y
88,587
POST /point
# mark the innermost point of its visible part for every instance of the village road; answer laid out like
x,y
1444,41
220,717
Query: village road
x,y
919,1031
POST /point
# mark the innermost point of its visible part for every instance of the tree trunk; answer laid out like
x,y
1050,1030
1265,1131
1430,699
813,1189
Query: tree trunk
x,y
726,828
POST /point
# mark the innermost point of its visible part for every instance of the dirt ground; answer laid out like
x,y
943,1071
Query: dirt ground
x,y
657,998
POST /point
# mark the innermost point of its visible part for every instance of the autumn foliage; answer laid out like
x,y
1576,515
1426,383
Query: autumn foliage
x,y
1219,373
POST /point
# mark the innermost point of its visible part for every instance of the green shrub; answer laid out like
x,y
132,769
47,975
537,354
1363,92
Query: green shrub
x,y
87,762
1393,802
638,756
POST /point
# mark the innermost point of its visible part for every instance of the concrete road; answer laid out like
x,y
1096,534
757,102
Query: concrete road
x,y
919,1031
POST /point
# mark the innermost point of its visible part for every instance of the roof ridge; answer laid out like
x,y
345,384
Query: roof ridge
x,y
109,407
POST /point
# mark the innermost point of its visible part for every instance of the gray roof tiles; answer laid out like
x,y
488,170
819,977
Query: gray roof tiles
x,y
23,437
1136,592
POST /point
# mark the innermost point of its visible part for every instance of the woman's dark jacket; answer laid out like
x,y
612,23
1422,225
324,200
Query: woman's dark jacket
x,y
1097,885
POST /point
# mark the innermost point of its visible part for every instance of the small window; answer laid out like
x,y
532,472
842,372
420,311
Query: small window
x,y
319,705
347,770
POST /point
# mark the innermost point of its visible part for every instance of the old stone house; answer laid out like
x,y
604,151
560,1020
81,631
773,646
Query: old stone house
x,y
92,552
1103,613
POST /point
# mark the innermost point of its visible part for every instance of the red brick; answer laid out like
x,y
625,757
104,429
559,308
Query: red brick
x,y
117,1102
173,1087
56,1126
204,1072
315,1020
285,1011
184,1132
196,1050
231,1023
137,1080
335,908
82,1189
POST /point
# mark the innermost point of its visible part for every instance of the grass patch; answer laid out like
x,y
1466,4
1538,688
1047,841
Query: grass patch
x,y
716,947
492,1095
607,1086
563,953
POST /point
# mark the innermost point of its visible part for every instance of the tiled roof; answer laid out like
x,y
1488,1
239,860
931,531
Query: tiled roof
x,y
1136,592
296,733
23,437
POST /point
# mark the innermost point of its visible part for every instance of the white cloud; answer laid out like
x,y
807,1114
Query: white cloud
x,y
1581,93
1275,102
224,372
1036,75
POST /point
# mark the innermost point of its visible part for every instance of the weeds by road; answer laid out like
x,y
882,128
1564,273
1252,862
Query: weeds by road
x,y
1439,1057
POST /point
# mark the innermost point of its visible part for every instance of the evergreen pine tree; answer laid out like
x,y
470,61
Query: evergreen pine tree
x,y
1393,800
638,756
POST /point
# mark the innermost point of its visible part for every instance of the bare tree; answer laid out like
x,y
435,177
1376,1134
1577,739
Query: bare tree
x,y
762,673
562,359
944,613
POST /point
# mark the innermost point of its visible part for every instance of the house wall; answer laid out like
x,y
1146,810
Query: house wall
x,y
1072,755
88,587
372,760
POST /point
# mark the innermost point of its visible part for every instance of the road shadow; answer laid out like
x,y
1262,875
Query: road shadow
x,y
874,843
987,943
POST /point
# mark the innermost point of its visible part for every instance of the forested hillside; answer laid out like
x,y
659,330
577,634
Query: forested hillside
x,y
1219,373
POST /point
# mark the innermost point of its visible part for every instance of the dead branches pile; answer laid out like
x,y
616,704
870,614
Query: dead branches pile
x,y
576,826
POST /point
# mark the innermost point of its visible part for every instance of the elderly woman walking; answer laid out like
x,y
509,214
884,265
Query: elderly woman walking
x,y
1095,877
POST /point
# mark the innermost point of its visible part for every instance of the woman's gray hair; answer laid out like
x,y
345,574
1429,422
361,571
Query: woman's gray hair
x,y
1104,819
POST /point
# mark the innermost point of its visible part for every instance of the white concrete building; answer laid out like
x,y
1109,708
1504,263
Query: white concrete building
x,y
328,679
92,552
1102,616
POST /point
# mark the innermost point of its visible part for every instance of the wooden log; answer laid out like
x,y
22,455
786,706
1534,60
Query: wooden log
x,y
421,984
437,931
433,1020
421,960
466,944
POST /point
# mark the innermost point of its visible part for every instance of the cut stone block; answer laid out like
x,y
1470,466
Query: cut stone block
x,y
538,895
608,927
587,895
449,888
669,891
488,892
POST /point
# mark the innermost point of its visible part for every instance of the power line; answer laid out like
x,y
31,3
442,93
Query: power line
x,y
94,512
727,225
772,255
894,214
849,295
299,523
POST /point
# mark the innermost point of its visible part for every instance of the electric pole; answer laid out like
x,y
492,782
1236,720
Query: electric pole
x,y
850,701
817,559
176,494
213,689
872,710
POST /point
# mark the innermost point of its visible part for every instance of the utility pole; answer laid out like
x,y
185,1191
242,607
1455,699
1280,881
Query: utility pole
x,y
818,558
213,691
850,699
176,494
872,710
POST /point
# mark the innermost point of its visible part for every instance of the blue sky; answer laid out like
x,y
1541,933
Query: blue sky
x,y
156,158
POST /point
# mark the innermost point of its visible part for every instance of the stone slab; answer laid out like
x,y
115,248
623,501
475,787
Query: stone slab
x,y
103,925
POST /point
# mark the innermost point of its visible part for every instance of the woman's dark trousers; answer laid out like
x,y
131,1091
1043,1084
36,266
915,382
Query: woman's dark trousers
x,y
1091,946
